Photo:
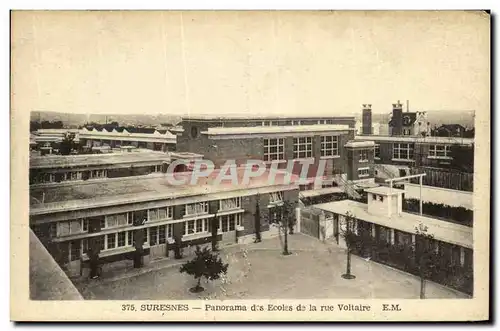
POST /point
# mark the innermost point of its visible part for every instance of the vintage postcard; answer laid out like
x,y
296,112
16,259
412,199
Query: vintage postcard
x,y
250,165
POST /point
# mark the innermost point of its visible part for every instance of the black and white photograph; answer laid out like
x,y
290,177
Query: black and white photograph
x,y
329,165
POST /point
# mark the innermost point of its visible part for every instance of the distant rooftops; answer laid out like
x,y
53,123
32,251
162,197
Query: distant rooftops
x,y
221,131
422,140
245,116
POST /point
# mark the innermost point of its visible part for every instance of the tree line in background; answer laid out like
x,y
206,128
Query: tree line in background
x,y
459,215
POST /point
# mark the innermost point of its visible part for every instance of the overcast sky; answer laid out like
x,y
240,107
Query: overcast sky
x,y
294,63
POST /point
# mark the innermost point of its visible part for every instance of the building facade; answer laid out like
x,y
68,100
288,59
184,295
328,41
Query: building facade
x,y
281,140
120,218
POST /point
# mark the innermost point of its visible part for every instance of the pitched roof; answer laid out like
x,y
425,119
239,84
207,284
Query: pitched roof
x,y
452,127
412,118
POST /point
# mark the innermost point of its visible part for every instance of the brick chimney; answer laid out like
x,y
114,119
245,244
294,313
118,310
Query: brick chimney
x,y
397,119
367,119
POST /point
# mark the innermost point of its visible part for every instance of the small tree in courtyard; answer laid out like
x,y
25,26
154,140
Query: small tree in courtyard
x,y
349,236
258,237
425,255
285,216
214,222
205,264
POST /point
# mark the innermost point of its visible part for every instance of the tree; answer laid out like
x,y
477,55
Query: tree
x,y
205,264
425,255
67,144
214,228
285,216
258,237
349,235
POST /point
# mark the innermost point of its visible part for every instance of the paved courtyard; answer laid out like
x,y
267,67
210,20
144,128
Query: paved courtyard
x,y
259,271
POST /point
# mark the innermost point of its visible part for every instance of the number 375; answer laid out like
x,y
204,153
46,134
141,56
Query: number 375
x,y
128,308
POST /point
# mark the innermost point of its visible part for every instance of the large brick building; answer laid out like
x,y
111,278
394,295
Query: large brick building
x,y
278,140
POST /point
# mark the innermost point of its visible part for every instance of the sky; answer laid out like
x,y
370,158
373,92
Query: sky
x,y
262,63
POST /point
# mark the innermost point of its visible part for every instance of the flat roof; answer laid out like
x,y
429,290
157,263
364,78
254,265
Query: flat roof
x,y
123,190
421,140
441,230
61,161
384,190
321,191
277,129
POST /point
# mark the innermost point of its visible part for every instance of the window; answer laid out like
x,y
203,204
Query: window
x,y
381,198
116,220
197,226
296,123
363,155
74,250
402,151
73,175
98,174
374,197
229,204
161,234
274,149
377,151
363,172
443,151
197,208
85,246
329,146
158,214
229,222
111,241
406,132
71,227
153,235
122,237
116,240
276,197
302,147
130,238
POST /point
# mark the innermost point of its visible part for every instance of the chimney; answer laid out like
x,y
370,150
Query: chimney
x,y
367,119
397,119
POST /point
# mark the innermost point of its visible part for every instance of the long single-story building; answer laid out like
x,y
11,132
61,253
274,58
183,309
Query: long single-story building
x,y
383,218
51,169
119,216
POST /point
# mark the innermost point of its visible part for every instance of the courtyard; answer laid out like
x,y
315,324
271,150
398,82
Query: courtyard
x,y
260,271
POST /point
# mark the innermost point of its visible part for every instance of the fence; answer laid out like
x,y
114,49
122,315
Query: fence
x,y
309,222
450,179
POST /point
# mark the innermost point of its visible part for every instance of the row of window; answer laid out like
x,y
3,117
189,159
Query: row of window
x,y
274,149
156,235
405,151
291,122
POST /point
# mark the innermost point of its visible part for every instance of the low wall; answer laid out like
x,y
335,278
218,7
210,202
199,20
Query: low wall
x,y
47,280
439,195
